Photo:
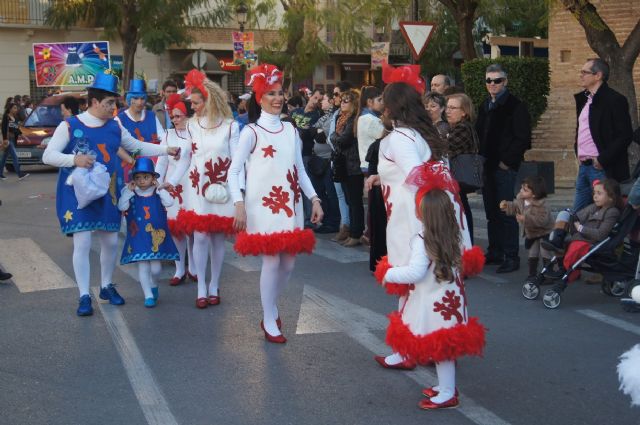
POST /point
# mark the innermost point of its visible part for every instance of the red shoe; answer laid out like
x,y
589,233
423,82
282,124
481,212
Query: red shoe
x,y
280,339
278,323
430,392
214,299
193,277
175,281
427,404
406,364
202,303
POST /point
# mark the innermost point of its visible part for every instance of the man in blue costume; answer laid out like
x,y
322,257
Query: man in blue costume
x,y
80,141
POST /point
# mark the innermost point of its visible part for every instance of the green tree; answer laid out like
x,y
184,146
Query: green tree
x,y
465,13
154,23
437,58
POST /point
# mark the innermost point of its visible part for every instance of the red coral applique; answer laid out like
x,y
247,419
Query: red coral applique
x,y
194,175
176,193
133,228
194,147
449,306
292,178
277,200
269,151
217,173
386,192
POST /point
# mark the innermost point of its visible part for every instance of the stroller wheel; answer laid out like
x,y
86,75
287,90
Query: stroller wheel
x,y
629,305
530,290
618,288
551,299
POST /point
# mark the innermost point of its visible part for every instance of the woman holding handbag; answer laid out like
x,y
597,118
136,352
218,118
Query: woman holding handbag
x,y
462,139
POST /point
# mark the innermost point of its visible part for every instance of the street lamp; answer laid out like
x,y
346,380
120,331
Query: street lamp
x,y
241,15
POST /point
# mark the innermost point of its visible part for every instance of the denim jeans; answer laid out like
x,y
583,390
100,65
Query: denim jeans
x,y
327,192
342,204
584,195
634,194
11,150
502,229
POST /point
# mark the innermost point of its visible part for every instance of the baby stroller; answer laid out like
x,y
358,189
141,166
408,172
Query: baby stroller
x,y
614,257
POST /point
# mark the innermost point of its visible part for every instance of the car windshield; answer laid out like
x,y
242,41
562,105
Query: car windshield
x,y
44,116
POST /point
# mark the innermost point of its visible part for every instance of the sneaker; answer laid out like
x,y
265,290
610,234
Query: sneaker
x,y
110,294
3,177
5,275
25,175
149,302
84,306
155,293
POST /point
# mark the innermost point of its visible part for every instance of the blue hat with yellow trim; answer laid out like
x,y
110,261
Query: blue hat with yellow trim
x,y
144,165
137,88
105,82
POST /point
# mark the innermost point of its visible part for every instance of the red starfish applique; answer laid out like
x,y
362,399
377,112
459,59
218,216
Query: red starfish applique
x,y
269,151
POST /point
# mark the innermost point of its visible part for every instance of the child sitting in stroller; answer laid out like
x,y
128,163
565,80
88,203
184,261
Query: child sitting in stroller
x,y
588,226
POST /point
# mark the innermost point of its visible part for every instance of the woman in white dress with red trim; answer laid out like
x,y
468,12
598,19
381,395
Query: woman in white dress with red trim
x,y
174,172
270,217
209,211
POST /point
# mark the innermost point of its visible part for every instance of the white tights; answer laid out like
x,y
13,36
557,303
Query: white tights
x,y
446,381
395,358
208,245
275,273
185,246
146,272
81,262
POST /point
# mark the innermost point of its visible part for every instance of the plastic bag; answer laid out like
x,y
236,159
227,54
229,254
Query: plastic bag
x,y
89,184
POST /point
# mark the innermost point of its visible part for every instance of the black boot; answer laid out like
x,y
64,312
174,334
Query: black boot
x,y
533,267
555,243
5,276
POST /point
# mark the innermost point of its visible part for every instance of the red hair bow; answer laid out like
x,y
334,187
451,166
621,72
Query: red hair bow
x,y
195,80
409,74
175,102
432,175
262,78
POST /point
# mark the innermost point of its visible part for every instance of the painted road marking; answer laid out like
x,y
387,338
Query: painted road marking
x,y
152,402
336,252
32,269
618,323
322,312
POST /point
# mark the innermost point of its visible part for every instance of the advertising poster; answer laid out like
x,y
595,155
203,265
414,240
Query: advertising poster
x,y
69,64
379,54
243,49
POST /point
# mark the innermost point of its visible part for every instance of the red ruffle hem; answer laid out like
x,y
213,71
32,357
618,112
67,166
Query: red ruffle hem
x,y
472,261
444,344
207,223
390,288
292,242
175,228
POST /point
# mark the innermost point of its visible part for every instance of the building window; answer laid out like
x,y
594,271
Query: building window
x,y
330,73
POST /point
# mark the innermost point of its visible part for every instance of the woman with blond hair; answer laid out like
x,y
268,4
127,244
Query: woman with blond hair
x,y
208,210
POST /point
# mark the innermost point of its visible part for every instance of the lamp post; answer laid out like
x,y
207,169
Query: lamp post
x,y
241,15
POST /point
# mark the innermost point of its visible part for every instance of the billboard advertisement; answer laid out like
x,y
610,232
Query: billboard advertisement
x,y
70,64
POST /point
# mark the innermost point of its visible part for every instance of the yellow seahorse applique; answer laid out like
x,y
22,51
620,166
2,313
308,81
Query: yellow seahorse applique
x,y
112,189
157,236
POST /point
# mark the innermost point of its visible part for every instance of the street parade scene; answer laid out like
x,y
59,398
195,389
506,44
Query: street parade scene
x,y
340,212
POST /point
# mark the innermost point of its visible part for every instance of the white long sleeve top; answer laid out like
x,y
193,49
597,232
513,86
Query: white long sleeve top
x,y
245,146
126,194
53,153
181,167
417,267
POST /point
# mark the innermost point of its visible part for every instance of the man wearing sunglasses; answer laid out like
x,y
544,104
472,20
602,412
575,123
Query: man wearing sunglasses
x,y
504,130
603,131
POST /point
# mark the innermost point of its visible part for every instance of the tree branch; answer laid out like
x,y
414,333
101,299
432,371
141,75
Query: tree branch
x,y
631,47
599,36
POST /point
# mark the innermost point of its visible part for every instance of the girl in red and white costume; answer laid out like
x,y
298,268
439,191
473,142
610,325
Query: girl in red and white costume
x,y
214,138
174,173
433,325
270,218
411,142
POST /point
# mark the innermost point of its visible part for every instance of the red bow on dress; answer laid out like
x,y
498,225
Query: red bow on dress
x,y
262,78
175,102
195,79
409,74
432,175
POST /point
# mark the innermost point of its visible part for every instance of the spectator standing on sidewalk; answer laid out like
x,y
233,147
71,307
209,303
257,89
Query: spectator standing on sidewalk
x,y
504,129
10,133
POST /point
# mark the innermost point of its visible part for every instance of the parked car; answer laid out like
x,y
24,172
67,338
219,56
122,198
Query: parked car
x,y
38,128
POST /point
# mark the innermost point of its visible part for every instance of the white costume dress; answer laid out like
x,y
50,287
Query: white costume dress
x,y
211,150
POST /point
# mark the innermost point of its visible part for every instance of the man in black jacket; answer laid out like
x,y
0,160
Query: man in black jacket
x,y
504,130
603,131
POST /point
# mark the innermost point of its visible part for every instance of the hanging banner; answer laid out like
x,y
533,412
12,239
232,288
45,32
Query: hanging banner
x,y
379,54
243,49
70,64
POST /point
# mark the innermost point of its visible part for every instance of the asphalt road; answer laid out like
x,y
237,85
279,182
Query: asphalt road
x,y
176,364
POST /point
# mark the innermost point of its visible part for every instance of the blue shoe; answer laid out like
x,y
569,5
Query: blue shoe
x,y
149,302
154,291
84,306
110,294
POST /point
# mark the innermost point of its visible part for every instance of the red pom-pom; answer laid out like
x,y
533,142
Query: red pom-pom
x,y
409,74
175,102
472,261
195,79
390,288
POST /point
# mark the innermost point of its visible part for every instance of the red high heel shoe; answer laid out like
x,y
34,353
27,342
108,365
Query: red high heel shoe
x,y
278,323
175,281
406,364
279,339
214,299
427,404
193,277
430,392
202,302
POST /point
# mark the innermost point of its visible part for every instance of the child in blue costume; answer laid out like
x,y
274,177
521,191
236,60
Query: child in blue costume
x,y
148,238
79,142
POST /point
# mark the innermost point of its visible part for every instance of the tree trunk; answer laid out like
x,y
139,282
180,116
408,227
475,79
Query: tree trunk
x,y
464,13
130,37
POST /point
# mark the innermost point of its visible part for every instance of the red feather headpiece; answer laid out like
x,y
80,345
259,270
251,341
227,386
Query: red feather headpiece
x,y
431,175
262,78
175,102
409,74
195,80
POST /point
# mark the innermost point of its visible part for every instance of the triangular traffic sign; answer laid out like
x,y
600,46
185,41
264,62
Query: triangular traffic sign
x,y
417,35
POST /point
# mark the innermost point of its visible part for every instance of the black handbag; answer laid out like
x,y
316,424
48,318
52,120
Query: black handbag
x,y
467,169
318,166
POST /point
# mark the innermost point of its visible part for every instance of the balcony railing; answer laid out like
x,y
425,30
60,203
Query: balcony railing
x,y
23,12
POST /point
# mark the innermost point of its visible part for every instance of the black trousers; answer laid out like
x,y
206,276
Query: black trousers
x,y
353,187
377,219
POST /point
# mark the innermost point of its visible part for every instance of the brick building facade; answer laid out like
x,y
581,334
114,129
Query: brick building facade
x,y
553,138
